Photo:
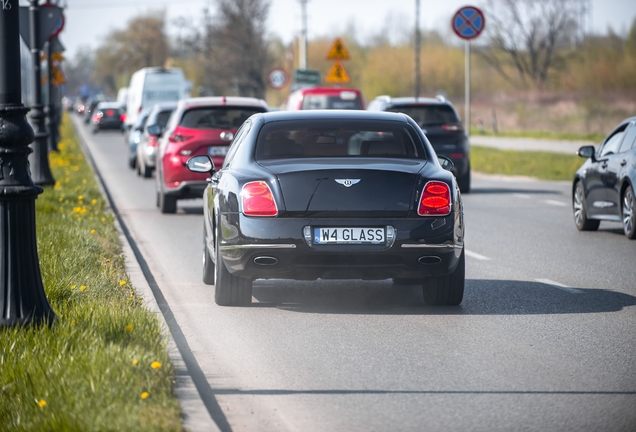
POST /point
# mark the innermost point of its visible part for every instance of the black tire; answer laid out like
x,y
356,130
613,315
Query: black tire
x,y
167,203
628,212
580,211
132,162
447,290
146,172
464,183
406,281
229,290
208,264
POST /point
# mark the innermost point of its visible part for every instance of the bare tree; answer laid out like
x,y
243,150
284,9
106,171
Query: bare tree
x,y
530,34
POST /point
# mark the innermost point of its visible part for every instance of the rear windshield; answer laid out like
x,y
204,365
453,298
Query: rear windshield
x,y
334,138
217,117
345,100
428,115
162,118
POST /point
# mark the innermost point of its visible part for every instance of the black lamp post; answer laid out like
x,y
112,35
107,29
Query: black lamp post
x,y
22,297
39,159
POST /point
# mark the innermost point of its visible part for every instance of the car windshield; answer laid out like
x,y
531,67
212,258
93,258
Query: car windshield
x,y
223,117
337,138
428,115
345,100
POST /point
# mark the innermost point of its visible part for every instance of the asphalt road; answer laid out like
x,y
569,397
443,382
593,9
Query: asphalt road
x,y
544,340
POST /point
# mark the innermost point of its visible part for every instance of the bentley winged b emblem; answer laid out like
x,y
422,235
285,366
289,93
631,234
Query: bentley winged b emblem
x,y
347,182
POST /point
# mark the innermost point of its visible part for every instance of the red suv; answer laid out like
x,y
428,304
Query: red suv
x,y
198,126
325,98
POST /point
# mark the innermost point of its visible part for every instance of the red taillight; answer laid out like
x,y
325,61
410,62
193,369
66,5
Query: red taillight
x,y
178,138
122,118
453,127
97,116
436,200
258,200
110,113
152,141
456,155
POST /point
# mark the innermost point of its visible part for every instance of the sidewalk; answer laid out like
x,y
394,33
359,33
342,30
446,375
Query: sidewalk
x,y
528,144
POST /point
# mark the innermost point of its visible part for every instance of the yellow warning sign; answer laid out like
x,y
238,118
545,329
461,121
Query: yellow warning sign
x,y
338,51
337,74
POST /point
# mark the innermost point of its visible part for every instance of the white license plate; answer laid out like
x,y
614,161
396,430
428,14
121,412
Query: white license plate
x,y
217,150
348,235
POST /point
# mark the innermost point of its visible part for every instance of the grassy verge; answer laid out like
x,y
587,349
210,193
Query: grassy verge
x,y
103,364
542,165
564,136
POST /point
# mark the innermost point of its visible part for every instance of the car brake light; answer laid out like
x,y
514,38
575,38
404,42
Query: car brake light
x,y
258,200
177,138
453,127
435,200
152,141
456,155
97,116
110,113
122,118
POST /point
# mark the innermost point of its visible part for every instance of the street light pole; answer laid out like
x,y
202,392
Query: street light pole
x,y
416,86
22,297
303,36
39,159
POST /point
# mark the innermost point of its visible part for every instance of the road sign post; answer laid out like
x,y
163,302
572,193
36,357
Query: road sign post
x,y
468,23
22,297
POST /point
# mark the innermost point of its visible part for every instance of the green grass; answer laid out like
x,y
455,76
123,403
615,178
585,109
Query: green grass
x,y
541,165
565,136
93,365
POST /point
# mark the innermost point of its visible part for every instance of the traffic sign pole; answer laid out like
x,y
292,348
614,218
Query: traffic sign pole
x,y
467,86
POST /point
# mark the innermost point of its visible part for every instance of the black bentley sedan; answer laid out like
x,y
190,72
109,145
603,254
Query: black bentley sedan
x,y
603,188
332,195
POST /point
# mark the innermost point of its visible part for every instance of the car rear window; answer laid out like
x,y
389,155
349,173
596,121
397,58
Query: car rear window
x,y
336,138
217,117
162,118
344,100
428,115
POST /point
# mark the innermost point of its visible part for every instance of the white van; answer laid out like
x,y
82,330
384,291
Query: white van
x,y
122,96
152,85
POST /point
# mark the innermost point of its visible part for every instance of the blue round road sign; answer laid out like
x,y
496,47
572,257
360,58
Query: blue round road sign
x,y
468,22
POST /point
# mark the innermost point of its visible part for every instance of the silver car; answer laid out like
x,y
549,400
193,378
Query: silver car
x,y
149,141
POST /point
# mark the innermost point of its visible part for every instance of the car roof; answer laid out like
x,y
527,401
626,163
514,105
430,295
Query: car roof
x,y
222,101
331,114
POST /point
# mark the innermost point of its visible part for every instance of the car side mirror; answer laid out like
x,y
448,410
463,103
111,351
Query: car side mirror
x,y
154,129
445,162
201,164
587,152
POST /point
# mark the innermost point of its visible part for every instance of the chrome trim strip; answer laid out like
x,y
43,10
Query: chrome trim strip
x,y
432,246
258,246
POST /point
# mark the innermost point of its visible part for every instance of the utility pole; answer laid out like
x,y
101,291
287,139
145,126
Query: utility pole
x,y
416,83
303,35
22,297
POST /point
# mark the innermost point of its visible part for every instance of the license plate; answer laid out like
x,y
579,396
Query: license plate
x,y
217,150
348,235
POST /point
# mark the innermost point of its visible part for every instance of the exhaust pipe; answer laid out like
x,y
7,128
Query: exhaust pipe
x,y
429,260
265,261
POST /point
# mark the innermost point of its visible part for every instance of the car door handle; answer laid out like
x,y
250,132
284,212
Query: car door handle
x,y
624,162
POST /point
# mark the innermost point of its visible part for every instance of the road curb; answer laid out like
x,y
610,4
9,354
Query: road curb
x,y
195,415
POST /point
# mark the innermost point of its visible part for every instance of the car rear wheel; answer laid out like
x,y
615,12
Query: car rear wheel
x,y
629,213
208,264
447,290
229,290
145,171
167,203
580,213
132,162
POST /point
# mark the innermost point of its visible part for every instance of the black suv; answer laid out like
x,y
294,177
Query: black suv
x,y
441,124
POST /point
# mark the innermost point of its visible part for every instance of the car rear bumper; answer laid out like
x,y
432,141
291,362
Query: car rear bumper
x,y
187,190
276,248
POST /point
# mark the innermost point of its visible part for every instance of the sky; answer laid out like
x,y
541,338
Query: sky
x,y
88,22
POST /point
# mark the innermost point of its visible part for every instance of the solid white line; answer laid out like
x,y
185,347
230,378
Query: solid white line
x,y
476,255
556,203
559,286
520,195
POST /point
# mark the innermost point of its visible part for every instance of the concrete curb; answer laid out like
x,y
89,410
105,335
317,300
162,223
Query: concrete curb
x,y
195,415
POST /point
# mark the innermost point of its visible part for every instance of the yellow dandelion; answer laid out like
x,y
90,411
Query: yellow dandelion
x,y
94,202
107,259
155,365
135,361
42,403
80,197
122,282
103,219
92,231
83,287
128,328
73,322
83,181
60,199
144,395
73,286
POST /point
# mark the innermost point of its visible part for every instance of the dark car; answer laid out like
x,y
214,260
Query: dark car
x,y
149,139
603,188
440,122
333,195
107,115
89,107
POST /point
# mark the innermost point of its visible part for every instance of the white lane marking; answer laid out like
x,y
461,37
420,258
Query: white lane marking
x,y
556,203
559,286
476,255
520,195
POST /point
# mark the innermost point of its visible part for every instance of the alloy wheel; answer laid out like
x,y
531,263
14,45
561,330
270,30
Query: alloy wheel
x,y
578,205
628,211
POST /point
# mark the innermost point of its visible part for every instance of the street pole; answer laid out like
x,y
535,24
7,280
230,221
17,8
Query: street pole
x,y
467,88
416,86
39,159
51,122
303,36
22,297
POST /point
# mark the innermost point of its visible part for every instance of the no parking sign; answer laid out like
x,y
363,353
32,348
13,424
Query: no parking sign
x,y
468,22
